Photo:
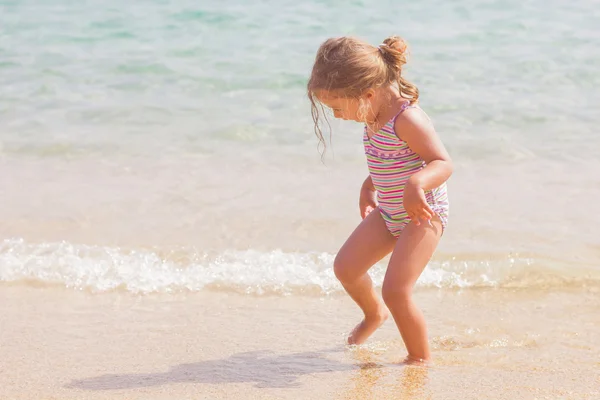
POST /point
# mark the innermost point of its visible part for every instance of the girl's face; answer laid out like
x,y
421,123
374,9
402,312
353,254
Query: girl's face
x,y
347,108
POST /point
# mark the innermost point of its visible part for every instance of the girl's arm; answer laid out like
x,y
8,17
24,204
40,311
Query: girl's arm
x,y
417,131
367,200
368,184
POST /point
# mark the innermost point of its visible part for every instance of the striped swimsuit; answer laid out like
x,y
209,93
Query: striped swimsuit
x,y
391,162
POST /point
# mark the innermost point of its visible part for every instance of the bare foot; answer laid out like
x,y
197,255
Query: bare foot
x,y
367,326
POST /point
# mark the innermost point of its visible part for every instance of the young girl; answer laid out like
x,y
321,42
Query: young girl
x,y
403,201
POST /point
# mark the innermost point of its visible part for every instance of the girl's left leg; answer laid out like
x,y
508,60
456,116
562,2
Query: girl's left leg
x,y
416,244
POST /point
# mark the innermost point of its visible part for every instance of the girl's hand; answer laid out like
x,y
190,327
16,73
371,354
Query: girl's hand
x,y
367,201
415,203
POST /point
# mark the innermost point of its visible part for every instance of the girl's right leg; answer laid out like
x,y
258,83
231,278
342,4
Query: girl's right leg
x,y
369,243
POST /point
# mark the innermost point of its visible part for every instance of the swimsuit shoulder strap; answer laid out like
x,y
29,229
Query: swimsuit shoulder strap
x,y
402,109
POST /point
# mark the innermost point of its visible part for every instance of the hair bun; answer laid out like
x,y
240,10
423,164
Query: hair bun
x,y
395,43
393,52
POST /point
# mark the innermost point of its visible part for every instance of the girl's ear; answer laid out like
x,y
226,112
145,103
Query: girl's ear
x,y
369,94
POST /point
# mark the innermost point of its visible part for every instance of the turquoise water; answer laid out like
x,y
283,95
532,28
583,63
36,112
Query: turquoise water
x,y
498,77
181,123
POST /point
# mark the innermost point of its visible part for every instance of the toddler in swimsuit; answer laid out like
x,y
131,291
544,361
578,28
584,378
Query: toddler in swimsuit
x,y
403,202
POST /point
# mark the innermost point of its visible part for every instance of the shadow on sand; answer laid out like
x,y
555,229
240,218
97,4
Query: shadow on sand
x,y
260,368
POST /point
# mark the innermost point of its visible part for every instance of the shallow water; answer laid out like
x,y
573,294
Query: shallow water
x,y
190,126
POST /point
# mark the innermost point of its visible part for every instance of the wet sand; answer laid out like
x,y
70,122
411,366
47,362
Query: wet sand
x,y
487,344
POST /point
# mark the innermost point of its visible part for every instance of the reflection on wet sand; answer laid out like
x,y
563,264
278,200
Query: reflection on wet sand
x,y
374,379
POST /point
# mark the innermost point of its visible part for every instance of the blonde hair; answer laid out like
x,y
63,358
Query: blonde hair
x,y
348,67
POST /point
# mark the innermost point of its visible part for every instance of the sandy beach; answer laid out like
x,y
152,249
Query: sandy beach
x,y
59,344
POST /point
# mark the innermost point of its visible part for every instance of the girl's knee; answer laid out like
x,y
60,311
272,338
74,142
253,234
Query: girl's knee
x,y
342,268
396,296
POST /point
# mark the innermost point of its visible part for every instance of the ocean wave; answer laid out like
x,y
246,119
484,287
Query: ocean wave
x,y
143,271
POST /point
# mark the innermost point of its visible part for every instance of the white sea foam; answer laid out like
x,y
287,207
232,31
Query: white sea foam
x,y
100,269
